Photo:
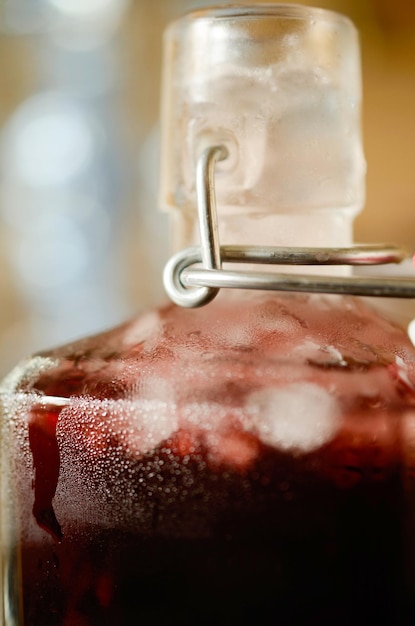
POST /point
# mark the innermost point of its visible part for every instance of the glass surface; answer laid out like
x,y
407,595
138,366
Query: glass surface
x,y
280,86
230,465
250,462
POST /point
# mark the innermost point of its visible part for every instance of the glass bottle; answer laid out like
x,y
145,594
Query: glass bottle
x,y
246,462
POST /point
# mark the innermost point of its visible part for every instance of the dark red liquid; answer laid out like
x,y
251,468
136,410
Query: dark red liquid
x,y
275,545
213,508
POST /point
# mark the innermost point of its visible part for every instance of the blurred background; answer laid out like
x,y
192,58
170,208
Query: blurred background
x,y
82,243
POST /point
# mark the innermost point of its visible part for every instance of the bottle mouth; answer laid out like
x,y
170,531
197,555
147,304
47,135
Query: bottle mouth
x,y
281,10
279,86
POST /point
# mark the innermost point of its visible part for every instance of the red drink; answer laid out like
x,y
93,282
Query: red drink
x,y
222,466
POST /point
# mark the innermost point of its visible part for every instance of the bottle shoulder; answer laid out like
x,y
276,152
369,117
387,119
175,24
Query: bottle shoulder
x,y
294,373
244,342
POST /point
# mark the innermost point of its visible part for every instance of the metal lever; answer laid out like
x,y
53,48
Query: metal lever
x,y
192,287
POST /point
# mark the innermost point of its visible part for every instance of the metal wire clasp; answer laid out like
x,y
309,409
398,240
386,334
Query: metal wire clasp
x,y
193,287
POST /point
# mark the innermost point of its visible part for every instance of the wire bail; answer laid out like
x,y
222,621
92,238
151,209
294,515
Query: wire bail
x,y
193,287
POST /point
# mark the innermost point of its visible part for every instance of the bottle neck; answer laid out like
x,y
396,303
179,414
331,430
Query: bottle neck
x,y
323,228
